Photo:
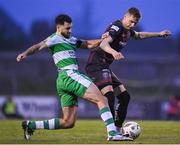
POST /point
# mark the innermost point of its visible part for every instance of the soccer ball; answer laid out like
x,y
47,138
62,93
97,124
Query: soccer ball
x,y
131,129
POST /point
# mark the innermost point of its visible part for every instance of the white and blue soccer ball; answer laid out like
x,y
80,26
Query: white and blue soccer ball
x,y
131,129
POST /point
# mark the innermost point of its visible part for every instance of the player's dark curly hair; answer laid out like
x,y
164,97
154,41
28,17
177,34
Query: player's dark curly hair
x,y
60,19
135,12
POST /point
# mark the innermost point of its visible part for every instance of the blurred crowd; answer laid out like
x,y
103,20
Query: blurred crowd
x,y
171,108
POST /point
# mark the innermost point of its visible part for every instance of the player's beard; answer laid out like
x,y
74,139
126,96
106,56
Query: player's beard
x,y
66,35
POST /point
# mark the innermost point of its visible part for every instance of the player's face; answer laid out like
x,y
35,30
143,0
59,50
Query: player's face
x,y
65,30
130,21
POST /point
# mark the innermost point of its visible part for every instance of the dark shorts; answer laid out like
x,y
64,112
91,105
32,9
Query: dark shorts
x,y
104,77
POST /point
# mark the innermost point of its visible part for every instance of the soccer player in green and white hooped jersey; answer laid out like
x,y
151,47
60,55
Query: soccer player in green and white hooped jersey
x,y
70,82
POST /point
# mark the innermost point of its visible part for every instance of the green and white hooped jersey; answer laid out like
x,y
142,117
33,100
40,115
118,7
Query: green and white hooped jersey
x,y
63,51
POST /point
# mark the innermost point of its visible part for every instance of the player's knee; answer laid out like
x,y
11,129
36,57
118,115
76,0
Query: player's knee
x,y
67,123
71,124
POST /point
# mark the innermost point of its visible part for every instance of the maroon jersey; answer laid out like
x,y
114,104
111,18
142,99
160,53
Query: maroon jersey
x,y
99,59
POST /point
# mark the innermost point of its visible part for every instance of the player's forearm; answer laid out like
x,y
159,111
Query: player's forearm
x,y
33,49
93,43
106,47
144,35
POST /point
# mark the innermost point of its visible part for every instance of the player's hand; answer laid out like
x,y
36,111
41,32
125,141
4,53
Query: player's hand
x,y
117,55
20,57
165,33
105,35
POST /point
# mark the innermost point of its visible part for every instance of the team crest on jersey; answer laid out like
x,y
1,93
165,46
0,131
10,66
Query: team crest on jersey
x,y
106,73
72,53
116,28
122,43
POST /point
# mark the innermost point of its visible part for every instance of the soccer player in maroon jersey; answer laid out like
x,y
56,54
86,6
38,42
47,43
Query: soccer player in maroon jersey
x,y
100,59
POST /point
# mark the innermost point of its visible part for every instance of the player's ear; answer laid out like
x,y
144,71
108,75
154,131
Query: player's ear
x,y
57,26
126,15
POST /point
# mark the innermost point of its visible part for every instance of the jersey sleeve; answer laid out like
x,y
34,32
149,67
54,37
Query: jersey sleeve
x,y
77,41
50,41
114,30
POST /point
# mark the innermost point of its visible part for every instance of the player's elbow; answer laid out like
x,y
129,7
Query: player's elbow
x,y
90,46
102,45
141,36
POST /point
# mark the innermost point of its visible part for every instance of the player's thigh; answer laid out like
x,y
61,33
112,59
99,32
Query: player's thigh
x,y
117,84
119,89
122,88
101,78
68,100
75,83
105,89
93,94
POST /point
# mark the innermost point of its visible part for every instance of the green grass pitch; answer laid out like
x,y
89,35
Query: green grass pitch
x,y
90,132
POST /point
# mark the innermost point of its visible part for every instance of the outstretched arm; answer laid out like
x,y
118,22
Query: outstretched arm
x,y
31,50
143,35
94,43
91,43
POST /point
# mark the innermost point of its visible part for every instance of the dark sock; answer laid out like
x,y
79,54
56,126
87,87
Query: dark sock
x,y
111,99
121,108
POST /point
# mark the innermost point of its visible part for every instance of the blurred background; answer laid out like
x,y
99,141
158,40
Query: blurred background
x,y
150,70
